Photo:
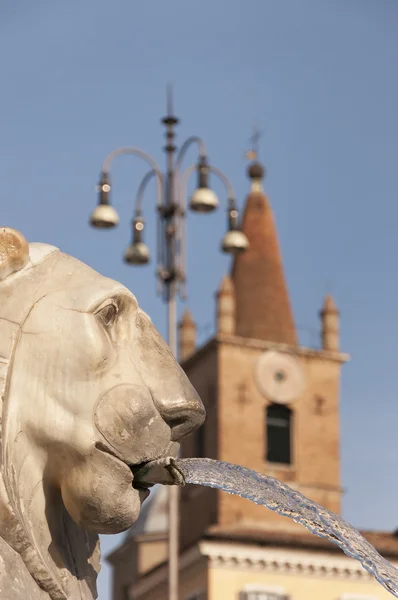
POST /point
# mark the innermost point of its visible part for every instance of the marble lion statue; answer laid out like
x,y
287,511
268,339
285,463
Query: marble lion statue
x,y
88,391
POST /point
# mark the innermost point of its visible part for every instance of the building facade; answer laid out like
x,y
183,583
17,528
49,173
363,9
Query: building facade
x,y
272,406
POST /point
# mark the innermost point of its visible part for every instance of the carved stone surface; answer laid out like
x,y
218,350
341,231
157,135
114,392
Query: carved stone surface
x,y
88,388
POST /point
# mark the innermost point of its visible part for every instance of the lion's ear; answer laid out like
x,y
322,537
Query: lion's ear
x,y
14,251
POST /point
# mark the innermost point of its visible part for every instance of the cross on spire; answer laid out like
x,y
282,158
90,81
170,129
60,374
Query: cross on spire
x,y
253,153
255,140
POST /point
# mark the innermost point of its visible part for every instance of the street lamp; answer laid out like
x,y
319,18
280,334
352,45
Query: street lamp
x,y
203,199
137,253
104,215
234,241
171,205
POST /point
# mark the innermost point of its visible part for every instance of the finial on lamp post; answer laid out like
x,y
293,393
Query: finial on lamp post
x,y
170,110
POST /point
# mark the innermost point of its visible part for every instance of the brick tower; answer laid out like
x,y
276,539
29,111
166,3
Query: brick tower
x,y
272,405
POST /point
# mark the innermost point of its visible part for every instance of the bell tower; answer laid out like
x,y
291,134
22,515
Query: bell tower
x,y
272,404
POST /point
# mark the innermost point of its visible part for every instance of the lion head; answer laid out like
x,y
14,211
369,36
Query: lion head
x,y
90,390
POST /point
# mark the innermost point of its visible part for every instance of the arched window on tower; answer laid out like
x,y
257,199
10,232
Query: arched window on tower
x,y
278,424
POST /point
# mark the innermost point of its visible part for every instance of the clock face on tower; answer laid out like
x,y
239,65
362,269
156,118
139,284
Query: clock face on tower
x,y
279,376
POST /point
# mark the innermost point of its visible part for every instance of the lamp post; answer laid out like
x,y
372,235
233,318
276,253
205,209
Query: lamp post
x,y
171,226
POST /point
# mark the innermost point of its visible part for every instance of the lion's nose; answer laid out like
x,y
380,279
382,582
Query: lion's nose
x,y
184,413
173,394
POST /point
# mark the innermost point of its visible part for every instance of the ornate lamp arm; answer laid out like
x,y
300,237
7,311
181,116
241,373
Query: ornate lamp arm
x,y
183,150
141,154
141,190
138,211
226,182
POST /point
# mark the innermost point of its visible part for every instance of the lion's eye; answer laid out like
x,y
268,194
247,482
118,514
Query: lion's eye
x,y
108,314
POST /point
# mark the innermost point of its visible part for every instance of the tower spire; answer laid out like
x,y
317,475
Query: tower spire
x,y
263,308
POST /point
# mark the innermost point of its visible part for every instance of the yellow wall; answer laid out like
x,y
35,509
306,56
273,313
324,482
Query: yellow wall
x,y
193,579
225,584
150,554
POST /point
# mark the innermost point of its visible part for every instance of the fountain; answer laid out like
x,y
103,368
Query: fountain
x,y
277,496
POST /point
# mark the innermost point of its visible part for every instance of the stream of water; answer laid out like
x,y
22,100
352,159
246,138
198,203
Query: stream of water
x,y
279,497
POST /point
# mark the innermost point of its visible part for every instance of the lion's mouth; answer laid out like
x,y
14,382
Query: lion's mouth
x,y
148,473
161,470
137,484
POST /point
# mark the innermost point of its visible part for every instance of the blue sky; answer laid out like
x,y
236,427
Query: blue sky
x,y
317,76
